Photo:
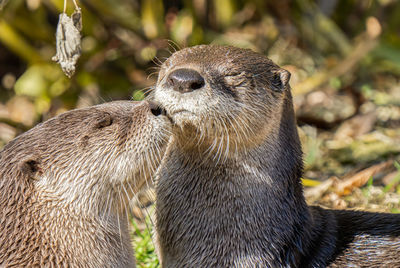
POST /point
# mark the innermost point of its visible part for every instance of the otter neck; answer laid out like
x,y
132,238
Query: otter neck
x,y
94,234
256,197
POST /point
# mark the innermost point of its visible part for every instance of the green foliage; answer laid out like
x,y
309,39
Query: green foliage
x,y
395,180
145,254
367,189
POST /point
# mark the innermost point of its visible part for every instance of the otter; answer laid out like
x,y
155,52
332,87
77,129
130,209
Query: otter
x,y
66,183
229,192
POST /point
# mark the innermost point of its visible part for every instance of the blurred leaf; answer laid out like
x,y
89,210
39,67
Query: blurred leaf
x,y
182,27
39,80
224,11
310,183
393,182
148,53
388,53
320,30
152,18
17,44
32,83
310,145
138,95
364,149
395,210
345,186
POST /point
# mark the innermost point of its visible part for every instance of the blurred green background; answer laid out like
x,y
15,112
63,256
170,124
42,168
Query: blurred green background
x,y
346,43
344,56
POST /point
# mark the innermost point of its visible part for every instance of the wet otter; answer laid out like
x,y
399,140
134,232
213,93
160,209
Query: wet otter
x,y
65,185
229,192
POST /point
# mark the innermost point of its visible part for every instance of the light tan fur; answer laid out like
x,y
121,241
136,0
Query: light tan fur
x,y
65,186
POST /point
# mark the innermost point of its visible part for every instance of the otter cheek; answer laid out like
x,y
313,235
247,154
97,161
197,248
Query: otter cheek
x,y
161,96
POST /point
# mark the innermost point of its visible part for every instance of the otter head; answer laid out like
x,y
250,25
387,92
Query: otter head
x,y
223,100
94,158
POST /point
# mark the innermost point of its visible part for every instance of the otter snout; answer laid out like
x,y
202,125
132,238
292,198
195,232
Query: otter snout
x,y
185,80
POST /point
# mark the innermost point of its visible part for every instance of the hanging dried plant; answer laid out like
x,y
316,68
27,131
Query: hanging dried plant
x,y
68,40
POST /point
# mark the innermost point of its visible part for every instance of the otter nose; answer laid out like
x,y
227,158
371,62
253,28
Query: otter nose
x,y
185,80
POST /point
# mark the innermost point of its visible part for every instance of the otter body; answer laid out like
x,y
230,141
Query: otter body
x,y
229,192
65,186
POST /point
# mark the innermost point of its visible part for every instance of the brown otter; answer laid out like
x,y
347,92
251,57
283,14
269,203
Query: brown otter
x,y
229,192
65,184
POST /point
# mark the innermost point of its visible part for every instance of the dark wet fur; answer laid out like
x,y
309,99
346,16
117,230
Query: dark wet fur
x,y
249,210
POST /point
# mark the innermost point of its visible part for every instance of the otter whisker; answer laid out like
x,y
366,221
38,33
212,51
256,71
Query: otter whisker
x,y
227,144
150,165
127,198
146,91
246,128
106,206
175,46
220,137
237,136
130,188
236,124
158,156
142,171
111,204
225,138
149,216
200,139
210,150
151,74
241,135
157,61
156,68
119,223
196,136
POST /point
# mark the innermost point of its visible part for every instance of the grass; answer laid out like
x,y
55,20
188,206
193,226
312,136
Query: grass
x,y
395,180
143,245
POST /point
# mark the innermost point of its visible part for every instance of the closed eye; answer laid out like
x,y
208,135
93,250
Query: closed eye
x,y
235,79
235,74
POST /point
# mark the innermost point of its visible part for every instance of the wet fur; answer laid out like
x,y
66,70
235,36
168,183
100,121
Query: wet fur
x,y
229,192
65,186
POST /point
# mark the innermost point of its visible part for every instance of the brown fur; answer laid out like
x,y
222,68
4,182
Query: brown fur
x,y
65,185
229,192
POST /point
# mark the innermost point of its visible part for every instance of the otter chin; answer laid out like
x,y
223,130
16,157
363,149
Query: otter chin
x,y
66,183
229,190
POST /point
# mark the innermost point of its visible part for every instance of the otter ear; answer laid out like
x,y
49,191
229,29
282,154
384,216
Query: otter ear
x,y
105,121
31,168
280,79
